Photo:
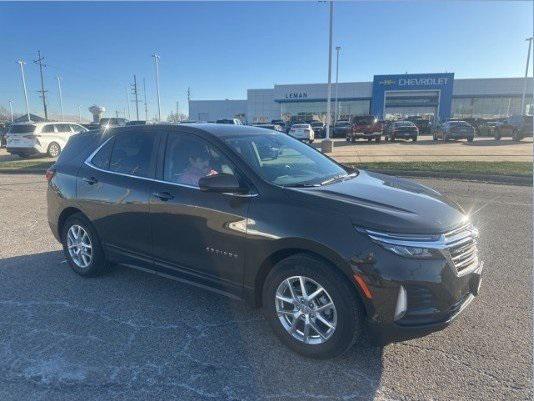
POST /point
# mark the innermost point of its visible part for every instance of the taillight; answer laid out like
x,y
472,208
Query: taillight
x,y
50,173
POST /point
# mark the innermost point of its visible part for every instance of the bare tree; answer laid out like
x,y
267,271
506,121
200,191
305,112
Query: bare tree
x,y
176,117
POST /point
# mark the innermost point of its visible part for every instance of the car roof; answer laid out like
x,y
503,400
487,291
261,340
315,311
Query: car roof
x,y
217,130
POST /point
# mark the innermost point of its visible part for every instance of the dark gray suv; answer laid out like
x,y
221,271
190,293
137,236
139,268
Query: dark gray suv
x,y
326,251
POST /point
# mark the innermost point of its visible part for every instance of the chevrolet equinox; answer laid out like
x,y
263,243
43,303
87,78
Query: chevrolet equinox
x,y
328,252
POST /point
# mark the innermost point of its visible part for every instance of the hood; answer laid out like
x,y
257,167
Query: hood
x,y
387,203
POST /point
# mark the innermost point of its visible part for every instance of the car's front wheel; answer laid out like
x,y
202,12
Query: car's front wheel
x,y
311,307
81,246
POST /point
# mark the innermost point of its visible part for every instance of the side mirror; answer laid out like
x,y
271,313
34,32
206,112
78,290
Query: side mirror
x,y
221,183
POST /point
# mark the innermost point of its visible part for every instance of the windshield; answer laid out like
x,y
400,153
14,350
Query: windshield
x,y
282,160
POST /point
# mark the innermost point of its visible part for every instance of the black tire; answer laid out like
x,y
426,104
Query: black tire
x,y
98,263
347,139
350,311
53,150
386,138
414,139
470,139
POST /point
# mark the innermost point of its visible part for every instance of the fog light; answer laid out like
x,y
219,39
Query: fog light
x,y
402,303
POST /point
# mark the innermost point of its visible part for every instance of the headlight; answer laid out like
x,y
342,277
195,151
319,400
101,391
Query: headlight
x,y
408,245
409,251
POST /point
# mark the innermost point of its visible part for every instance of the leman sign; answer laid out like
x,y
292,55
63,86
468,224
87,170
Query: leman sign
x,y
296,95
442,84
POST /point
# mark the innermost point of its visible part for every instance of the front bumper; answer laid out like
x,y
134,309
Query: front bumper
x,y
364,135
436,293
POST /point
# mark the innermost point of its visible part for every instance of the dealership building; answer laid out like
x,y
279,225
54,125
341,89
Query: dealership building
x,y
386,96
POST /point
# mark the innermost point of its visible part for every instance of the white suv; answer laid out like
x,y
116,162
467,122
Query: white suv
x,y
26,139
304,132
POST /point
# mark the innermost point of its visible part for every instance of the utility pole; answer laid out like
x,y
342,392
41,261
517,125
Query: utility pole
x,y
146,105
21,63
60,95
336,115
156,63
327,145
42,91
128,102
529,40
136,98
188,100
11,109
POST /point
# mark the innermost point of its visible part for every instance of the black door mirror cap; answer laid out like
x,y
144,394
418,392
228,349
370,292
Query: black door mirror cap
x,y
221,183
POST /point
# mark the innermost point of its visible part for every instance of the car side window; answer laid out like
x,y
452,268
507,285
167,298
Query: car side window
x,y
48,129
188,158
63,127
101,158
132,154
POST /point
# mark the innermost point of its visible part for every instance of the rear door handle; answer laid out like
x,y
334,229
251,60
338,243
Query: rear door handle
x,y
90,180
164,196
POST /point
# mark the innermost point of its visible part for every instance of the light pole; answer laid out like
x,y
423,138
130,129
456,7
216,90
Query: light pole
x,y
529,40
327,145
336,115
60,95
21,63
11,109
156,63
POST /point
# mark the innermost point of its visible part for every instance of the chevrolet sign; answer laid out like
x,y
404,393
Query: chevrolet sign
x,y
423,81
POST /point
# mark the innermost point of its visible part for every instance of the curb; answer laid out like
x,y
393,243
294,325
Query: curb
x,y
487,178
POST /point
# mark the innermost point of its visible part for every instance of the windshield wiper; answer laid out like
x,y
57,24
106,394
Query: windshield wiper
x,y
337,178
302,185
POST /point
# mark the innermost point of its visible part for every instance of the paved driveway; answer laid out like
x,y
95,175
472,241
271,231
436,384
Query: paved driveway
x,y
134,336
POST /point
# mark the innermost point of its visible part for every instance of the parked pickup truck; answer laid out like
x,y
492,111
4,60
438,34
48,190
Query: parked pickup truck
x,y
365,127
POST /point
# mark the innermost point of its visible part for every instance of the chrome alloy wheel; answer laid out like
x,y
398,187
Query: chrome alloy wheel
x,y
306,310
79,246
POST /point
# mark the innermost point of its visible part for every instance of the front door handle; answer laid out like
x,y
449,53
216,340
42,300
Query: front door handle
x,y
90,180
164,196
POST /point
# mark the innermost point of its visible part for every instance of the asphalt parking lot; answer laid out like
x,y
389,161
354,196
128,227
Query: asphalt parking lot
x,y
133,336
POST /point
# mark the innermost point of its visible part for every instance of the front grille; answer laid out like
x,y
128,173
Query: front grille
x,y
462,247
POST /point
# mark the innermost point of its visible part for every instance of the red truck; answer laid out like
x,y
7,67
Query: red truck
x,y
365,127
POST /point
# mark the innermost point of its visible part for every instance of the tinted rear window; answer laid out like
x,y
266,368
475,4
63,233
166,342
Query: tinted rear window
x,y
22,129
101,159
132,154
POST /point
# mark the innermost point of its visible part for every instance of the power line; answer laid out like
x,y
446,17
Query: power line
x,y
42,91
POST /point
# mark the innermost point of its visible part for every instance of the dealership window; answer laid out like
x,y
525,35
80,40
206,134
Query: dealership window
x,y
488,107
309,110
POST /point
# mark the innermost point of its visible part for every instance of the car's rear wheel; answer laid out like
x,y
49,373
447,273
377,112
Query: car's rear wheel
x,y
311,307
81,246
53,149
